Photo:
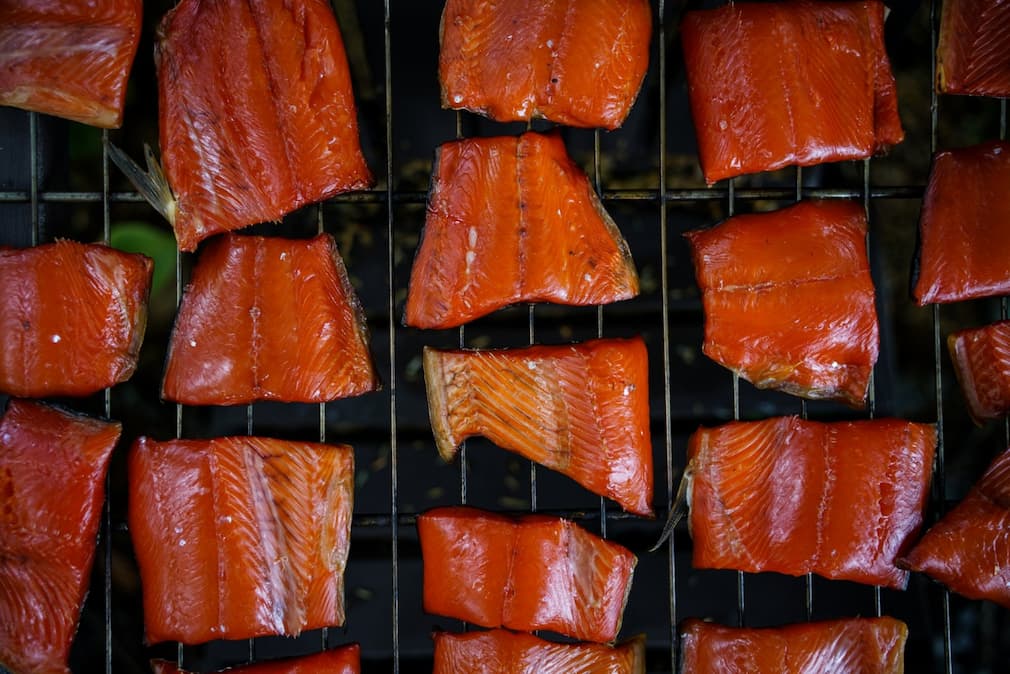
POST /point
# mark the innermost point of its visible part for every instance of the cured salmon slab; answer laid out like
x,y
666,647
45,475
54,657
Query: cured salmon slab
x,y
504,652
573,62
981,359
580,409
789,301
535,573
964,229
240,537
52,485
788,84
343,660
70,58
266,318
513,220
843,500
72,317
973,54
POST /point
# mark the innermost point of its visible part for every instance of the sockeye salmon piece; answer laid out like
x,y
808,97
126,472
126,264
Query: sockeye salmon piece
x,y
981,359
574,62
240,537
70,58
789,301
964,229
266,318
52,485
343,660
256,113
973,55
580,409
968,550
504,652
847,646
534,573
72,317
513,220
842,500
788,84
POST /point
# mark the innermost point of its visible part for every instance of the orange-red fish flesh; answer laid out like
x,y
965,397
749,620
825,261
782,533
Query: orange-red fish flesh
x,y
266,318
535,573
842,500
982,363
72,317
52,485
573,62
256,112
973,55
70,58
580,409
789,300
513,220
343,660
788,84
964,229
240,537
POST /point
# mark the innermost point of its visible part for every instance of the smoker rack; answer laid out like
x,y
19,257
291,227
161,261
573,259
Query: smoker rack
x,y
386,534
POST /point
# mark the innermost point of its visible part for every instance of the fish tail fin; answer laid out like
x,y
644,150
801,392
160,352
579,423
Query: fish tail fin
x,y
678,509
151,184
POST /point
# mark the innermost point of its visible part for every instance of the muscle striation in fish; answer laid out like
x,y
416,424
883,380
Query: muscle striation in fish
x,y
973,53
981,359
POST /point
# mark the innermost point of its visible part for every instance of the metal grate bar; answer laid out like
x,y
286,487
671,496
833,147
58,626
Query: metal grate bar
x,y
107,395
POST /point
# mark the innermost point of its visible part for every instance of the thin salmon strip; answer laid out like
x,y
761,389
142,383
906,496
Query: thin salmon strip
x,y
789,301
574,62
513,220
846,646
52,486
843,500
534,573
973,55
266,318
72,318
343,660
788,84
580,409
981,359
964,229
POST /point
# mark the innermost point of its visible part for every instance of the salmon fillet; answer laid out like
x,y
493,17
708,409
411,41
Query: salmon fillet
x,y
72,317
504,652
534,573
343,660
973,54
981,359
240,537
266,318
789,301
52,486
574,62
581,409
842,500
788,84
513,220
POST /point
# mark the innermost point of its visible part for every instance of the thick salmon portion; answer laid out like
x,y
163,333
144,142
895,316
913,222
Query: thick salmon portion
x,y
504,652
842,500
789,301
981,359
266,318
847,646
513,220
343,660
70,58
534,573
256,112
964,229
580,409
52,485
788,83
240,537
72,317
574,62
973,55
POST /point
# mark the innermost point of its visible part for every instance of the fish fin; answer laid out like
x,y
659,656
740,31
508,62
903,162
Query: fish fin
x,y
680,506
151,184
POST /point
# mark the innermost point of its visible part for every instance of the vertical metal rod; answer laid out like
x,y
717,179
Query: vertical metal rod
x,y
106,238
462,344
33,167
533,464
740,592
179,651
598,184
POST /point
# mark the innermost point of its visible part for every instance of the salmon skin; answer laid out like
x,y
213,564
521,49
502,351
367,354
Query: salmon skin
x,y
535,573
72,317
504,652
847,646
788,84
964,229
574,62
513,220
580,409
973,54
52,486
981,359
266,318
343,660
789,301
240,537
842,500
70,58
